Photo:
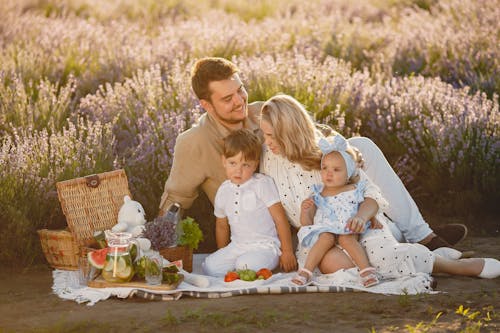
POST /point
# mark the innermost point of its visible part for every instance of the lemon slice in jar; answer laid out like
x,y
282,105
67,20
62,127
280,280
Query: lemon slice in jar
x,y
124,273
121,264
116,264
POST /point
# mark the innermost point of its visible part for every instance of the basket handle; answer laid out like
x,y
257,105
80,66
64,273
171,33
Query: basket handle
x,y
93,181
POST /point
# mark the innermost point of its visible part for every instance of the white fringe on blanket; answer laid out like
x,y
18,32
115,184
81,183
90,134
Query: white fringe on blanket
x,y
66,286
418,284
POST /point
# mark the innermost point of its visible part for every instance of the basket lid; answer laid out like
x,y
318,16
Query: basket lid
x,y
92,203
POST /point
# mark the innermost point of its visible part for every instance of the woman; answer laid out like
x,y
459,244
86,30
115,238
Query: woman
x,y
292,158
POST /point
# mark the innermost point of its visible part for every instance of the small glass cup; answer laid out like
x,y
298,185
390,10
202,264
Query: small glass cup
x,y
153,269
84,271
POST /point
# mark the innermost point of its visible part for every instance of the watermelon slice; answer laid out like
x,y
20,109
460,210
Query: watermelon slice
x,y
97,258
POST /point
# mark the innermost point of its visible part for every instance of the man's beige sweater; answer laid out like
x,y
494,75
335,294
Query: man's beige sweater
x,y
197,162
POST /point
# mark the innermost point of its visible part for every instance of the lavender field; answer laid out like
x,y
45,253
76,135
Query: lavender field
x,y
87,86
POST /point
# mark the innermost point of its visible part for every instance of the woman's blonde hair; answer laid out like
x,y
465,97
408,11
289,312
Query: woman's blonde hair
x,y
294,130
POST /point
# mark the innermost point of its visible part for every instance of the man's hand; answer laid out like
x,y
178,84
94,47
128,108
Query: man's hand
x,y
288,262
360,162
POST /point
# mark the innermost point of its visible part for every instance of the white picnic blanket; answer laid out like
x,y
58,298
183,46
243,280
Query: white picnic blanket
x,y
67,286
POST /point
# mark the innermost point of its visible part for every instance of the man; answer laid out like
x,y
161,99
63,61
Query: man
x,y
196,164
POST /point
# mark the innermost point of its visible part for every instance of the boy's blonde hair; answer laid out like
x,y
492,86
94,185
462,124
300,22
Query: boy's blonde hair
x,y
294,130
244,141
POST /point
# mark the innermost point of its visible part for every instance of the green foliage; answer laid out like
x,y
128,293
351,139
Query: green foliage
x,y
140,267
25,207
191,233
170,319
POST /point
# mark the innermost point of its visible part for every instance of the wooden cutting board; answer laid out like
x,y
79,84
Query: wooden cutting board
x,y
99,282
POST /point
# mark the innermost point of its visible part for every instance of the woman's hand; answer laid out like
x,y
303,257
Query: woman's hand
x,y
375,224
288,262
356,224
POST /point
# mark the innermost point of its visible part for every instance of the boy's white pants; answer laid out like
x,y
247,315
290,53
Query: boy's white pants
x,y
241,256
409,224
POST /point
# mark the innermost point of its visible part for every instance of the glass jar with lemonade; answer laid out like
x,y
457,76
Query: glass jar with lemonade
x,y
118,266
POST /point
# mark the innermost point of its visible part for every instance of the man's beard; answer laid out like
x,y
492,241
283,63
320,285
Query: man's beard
x,y
230,120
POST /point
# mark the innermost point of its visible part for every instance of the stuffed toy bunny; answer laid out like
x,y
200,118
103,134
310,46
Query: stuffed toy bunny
x,y
131,218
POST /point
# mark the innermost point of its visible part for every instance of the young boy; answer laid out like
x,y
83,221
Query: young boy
x,y
252,231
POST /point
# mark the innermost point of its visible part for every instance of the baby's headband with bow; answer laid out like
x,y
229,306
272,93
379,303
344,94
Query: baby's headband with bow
x,y
339,143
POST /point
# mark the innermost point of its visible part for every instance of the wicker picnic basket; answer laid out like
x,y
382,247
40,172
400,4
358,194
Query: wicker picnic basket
x,y
184,253
59,248
89,204
92,203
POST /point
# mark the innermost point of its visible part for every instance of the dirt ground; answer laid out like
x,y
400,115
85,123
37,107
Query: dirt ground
x,y
28,305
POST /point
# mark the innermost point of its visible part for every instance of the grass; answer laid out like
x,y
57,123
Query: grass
x,y
64,326
468,320
200,319
241,319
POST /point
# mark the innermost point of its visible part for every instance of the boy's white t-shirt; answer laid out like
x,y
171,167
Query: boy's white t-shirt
x,y
247,208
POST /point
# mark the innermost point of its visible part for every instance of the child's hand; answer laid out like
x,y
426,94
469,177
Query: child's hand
x,y
307,204
375,224
307,210
356,224
288,262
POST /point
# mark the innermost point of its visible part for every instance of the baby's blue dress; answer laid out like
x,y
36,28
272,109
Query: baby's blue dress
x,y
332,213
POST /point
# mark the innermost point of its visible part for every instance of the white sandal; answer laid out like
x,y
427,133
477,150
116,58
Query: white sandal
x,y
491,269
368,276
302,280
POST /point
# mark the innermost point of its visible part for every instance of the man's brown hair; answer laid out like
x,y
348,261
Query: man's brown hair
x,y
210,69
244,141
